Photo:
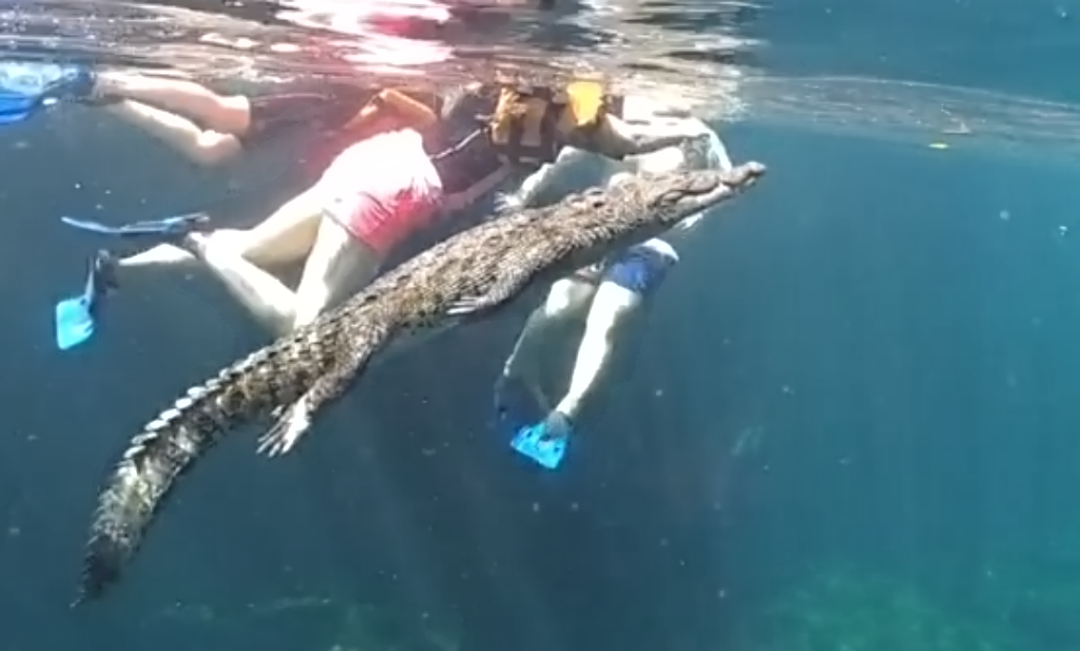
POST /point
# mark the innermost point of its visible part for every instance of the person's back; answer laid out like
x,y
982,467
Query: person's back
x,y
461,151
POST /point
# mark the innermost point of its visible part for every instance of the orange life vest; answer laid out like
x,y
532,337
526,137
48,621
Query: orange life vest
x,y
531,123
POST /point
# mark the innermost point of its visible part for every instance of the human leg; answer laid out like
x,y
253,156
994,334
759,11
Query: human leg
x,y
611,309
567,298
621,291
284,237
338,266
202,147
342,251
226,114
625,284
377,193
261,293
240,258
335,266
209,128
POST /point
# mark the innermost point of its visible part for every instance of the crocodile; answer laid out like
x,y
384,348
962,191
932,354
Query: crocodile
x,y
466,277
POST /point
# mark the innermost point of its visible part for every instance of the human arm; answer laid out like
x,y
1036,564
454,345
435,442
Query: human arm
x,y
392,104
536,183
614,138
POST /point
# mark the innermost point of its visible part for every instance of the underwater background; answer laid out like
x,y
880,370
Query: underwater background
x,y
849,422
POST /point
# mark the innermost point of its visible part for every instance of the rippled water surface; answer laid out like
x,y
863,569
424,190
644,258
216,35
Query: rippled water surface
x,y
839,65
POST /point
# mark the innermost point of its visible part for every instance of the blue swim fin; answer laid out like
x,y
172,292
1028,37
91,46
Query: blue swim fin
x,y
545,442
74,322
74,317
28,86
15,108
175,226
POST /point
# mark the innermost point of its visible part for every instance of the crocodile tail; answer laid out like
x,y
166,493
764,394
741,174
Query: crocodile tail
x,y
165,448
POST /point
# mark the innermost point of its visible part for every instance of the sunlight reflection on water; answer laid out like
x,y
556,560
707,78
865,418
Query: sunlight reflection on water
x,y
660,47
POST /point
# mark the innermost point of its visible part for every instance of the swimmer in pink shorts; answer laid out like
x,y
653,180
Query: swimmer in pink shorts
x,y
386,188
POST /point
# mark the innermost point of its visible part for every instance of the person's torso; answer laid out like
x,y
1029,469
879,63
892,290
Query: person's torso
x,y
487,132
334,128
493,127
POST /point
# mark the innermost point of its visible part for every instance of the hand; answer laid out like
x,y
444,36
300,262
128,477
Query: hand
x,y
700,139
508,203
690,222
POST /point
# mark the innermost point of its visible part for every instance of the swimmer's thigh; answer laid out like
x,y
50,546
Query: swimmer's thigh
x,y
631,277
611,307
568,298
338,266
287,235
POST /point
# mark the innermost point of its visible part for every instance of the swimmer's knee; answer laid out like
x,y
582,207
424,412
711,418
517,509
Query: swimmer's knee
x,y
236,111
567,297
213,148
338,266
313,298
303,317
559,299
618,178
612,305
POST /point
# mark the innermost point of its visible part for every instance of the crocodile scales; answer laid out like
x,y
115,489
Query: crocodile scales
x,y
465,277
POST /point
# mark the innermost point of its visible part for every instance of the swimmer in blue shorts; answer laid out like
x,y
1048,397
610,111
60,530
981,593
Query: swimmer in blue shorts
x,y
608,295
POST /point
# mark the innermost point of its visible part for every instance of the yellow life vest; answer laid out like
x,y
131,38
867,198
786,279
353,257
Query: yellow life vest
x,y
531,123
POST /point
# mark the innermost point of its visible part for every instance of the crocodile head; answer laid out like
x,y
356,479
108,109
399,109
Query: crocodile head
x,y
659,201
672,197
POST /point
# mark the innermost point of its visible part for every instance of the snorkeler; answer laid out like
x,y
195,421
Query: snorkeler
x,y
204,126
208,128
216,127
608,296
384,189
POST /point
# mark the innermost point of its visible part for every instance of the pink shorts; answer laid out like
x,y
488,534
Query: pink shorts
x,y
383,189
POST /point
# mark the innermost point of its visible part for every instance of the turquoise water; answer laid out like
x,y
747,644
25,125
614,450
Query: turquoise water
x,y
849,423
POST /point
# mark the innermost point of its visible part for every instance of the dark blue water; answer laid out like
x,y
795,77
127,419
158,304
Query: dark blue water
x,y
999,45
890,327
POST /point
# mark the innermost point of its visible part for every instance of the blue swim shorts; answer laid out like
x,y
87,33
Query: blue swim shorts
x,y
642,267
